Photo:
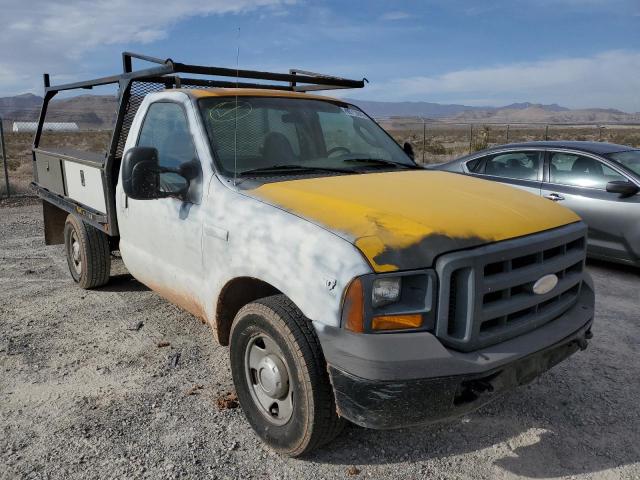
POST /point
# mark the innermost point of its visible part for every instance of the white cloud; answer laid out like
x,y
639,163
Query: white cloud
x,y
53,35
398,15
609,79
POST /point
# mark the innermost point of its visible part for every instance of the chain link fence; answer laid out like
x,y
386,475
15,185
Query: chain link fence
x,y
436,142
433,142
5,166
80,125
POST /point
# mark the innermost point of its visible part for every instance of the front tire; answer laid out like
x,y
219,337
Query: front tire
x,y
280,377
88,253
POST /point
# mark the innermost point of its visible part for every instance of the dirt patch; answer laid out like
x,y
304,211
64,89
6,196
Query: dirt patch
x,y
353,470
195,390
19,201
227,401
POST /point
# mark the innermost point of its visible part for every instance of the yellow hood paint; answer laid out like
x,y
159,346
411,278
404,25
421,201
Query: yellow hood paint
x,y
397,210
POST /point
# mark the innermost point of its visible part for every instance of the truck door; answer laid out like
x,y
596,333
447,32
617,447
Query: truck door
x,y
161,240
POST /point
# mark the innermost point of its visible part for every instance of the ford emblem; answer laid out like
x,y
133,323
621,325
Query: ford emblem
x,y
545,284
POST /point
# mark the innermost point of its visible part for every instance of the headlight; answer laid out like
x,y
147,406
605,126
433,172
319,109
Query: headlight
x,y
386,291
389,302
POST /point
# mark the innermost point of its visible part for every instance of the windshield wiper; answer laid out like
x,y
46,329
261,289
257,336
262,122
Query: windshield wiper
x,y
294,167
380,161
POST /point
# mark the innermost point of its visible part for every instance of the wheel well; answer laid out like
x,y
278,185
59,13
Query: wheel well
x,y
235,295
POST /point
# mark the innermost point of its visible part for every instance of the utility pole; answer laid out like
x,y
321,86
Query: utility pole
x,y
424,138
4,158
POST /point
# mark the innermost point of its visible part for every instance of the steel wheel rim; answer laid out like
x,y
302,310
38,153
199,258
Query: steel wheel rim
x,y
76,258
268,376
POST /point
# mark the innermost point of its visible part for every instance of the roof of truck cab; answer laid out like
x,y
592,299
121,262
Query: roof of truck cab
x,y
252,92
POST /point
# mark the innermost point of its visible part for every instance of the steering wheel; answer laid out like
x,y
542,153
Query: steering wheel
x,y
338,149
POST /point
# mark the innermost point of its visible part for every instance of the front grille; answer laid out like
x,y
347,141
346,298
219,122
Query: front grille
x,y
489,293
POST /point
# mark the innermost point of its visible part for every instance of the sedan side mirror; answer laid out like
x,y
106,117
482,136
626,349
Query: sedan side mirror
x,y
408,149
141,175
624,188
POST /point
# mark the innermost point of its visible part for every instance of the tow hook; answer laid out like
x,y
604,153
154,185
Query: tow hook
x,y
472,389
480,386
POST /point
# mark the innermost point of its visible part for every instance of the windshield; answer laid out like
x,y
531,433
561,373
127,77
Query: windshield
x,y
259,135
630,159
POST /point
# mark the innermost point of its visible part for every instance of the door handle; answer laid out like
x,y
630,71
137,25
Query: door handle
x,y
555,197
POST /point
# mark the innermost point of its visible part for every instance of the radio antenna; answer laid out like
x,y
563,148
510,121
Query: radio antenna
x,y
235,130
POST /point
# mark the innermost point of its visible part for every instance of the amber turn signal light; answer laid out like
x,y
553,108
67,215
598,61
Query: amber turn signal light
x,y
396,322
353,307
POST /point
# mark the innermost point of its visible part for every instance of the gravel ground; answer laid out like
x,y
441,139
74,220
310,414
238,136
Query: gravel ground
x,y
87,391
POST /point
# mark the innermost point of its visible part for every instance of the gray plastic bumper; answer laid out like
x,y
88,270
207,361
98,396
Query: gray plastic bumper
x,y
396,380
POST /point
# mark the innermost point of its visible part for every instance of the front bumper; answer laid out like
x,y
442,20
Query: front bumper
x,y
397,380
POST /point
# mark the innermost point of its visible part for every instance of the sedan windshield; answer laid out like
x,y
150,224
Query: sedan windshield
x,y
629,159
265,135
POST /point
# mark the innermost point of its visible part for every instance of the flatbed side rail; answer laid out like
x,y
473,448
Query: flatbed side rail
x,y
92,217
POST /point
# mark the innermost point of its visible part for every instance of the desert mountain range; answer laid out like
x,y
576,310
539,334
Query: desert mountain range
x,y
99,111
88,111
515,113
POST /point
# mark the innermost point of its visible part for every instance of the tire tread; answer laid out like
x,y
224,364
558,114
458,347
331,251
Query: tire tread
x,y
95,244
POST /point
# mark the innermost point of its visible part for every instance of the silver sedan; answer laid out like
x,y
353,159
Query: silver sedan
x,y
599,181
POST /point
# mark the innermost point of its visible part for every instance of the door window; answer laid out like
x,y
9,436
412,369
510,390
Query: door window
x,y
166,129
580,171
519,165
475,165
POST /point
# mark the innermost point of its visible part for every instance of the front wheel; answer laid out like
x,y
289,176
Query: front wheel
x,y
88,254
280,376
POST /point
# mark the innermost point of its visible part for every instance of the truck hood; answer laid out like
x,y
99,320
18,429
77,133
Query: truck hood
x,y
404,220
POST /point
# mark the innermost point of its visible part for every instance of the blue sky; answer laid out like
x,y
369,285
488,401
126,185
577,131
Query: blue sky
x,y
578,53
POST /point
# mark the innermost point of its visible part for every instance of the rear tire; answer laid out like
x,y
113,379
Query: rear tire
x,y
88,253
281,377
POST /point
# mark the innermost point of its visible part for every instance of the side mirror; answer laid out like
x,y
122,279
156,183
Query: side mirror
x,y
141,176
624,188
408,149
141,173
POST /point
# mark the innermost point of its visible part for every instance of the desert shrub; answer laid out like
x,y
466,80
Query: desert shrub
x,y
435,147
631,138
481,140
17,186
13,164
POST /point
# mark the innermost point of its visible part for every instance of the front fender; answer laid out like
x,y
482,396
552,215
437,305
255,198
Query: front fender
x,y
309,264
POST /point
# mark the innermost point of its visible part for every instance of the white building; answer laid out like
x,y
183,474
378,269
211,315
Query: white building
x,y
50,126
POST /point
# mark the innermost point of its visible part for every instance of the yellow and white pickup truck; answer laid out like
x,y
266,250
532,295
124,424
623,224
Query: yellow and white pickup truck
x,y
349,283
